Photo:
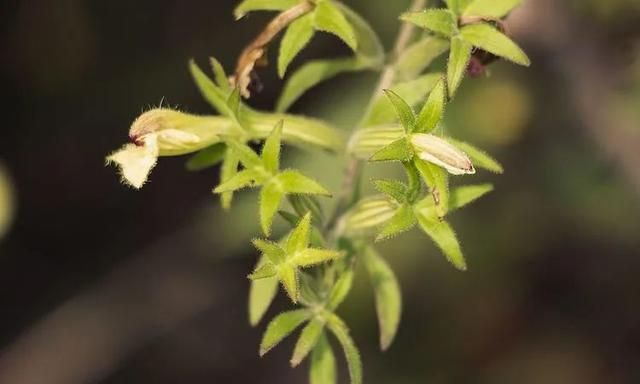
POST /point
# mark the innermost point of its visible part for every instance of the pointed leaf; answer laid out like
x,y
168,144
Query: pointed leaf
x,y
441,21
310,75
329,18
433,109
297,36
270,197
313,256
340,290
402,221
438,181
458,6
419,56
212,93
307,341
491,40
243,179
323,363
295,182
387,296
233,102
341,332
444,237
491,9
271,250
370,52
399,150
221,77
206,158
289,279
247,156
264,271
262,5
479,158
462,196
299,238
404,111
261,294
271,149
393,188
229,170
280,327
304,204
457,66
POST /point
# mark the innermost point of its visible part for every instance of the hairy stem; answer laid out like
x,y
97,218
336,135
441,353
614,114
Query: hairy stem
x,y
349,192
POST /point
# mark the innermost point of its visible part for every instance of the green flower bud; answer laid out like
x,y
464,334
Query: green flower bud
x,y
164,132
441,153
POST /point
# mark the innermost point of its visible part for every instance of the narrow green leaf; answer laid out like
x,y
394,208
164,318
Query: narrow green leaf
x,y
479,158
313,256
262,5
340,290
393,188
458,6
388,297
207,157
341,332
462,196
437,179
299,238
271,149
261,294
444,237
402,221
441,21
419,56
264,271
323,363
247,156
297,36
233,102
491,9
365,142
433,109
412,92
280,327
295,182
491,40
229,169
270,197
271,250
404,111
329,18
289,278
310,75
304,204
243,179
221,77
216,97
457,66
307,341
370,52
399,150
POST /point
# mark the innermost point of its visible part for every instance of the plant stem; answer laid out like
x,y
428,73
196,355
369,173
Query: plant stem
x,y
351,182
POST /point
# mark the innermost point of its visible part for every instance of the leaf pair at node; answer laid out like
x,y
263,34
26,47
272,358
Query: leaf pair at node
x,y
319,316
264,171
468,24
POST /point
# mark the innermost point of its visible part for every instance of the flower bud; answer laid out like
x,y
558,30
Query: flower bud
x,y
164,132
441,153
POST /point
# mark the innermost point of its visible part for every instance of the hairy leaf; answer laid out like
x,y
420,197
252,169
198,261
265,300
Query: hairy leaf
x,y
280,327
438,181
462,196
341,332
433,109
299,238
491,40
340,290
388,297
262,5
399,150
393,188
458,6
329,18
229,169
261,294
247,156
441,21
323,363
491,9
308,339
271,250
295,182
366,142
457,66
403,110
211,93
289,278
313,256
419,56
220,76
270,197
263,272
271,149
243,179
402,221
297,36
444,237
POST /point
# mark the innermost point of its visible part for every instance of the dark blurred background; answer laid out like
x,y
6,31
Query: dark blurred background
x,y
102,284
